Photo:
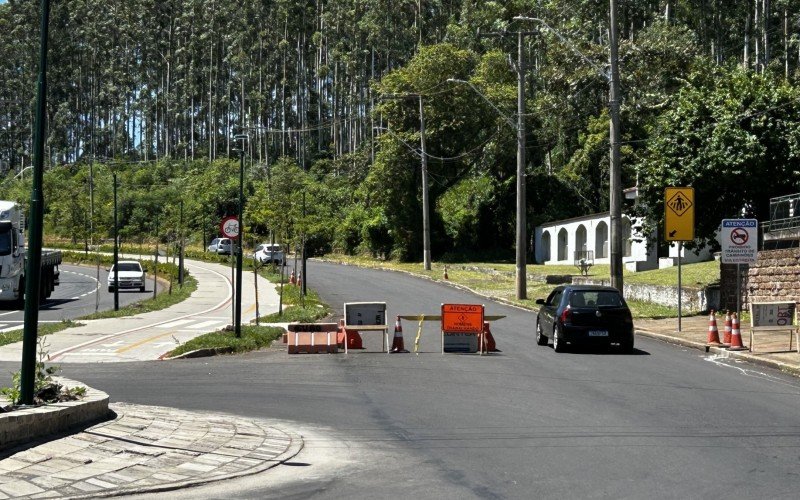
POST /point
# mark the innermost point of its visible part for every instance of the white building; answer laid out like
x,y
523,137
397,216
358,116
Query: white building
x,y
565,242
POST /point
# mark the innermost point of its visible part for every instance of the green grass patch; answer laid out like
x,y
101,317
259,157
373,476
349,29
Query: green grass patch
x,y
253,338
43,329
696,275
163,300
306,309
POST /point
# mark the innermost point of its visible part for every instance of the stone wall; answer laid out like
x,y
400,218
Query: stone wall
x,y
775,277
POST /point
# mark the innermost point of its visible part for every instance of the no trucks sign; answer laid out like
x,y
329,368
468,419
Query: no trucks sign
x,y
739,239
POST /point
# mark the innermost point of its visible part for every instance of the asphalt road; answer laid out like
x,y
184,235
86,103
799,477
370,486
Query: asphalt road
x,y
665,422
77,295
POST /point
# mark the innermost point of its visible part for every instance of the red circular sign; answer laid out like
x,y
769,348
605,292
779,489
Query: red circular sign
x,y
230,227
739,236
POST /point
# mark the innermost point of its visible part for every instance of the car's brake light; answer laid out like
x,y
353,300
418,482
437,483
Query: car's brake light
x,y
566,314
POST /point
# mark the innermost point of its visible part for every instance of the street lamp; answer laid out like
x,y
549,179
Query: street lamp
x,y
615,170
519,127
237,322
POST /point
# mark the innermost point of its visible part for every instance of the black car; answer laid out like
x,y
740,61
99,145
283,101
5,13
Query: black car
x,y
584,314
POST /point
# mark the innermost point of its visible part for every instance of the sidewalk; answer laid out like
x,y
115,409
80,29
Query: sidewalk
x,y
771,349
145,449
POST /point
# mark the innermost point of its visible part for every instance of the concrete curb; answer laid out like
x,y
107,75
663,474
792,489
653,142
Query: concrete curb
x,y
202,353
722,352
29,424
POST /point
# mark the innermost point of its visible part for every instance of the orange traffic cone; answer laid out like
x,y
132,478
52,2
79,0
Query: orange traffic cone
x,y
292,278
736,336
489,344
397,343
445,273
726,336
713,332
351,337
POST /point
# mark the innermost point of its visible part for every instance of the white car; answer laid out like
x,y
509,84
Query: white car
x,y
268,253
221,246
131,275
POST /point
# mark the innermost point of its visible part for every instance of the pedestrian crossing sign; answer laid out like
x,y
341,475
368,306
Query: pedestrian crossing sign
x,y
679,214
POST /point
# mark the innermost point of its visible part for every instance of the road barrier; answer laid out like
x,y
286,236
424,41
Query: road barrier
x,y
362,317
464,328
312,338
736,336
713,332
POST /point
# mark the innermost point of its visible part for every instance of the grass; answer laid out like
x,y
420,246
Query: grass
x,y
306,309
162,301
253,337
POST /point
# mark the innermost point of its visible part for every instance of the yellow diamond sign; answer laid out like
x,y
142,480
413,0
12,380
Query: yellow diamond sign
x,y
679,214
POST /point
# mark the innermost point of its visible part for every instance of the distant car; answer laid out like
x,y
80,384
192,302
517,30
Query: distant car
x,y
131,275
584,314
221,246
268,253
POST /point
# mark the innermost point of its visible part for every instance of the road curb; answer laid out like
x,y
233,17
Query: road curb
x,y
722,352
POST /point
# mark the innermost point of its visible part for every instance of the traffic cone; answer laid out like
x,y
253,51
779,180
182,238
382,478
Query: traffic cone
x,y
726,336
351,337
713,332
292,278
489,344
397,343
445,273
736,336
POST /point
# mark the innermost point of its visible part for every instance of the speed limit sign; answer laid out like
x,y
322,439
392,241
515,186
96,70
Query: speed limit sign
x,y
230,227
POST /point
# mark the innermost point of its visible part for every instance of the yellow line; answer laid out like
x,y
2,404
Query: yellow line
x,y
250,309
137,344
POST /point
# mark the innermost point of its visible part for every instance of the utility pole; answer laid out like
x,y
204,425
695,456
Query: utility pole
x,y
33,271
521,229
180,255
155,263
426,223
237,320
615,174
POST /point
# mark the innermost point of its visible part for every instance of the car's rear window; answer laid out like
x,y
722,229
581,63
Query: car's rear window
x,y
595,298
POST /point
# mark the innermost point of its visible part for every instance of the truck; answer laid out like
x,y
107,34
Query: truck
x,y
13,258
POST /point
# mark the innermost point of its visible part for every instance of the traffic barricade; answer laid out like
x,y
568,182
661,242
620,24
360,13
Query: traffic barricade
x,y
312,338
463,328
365,317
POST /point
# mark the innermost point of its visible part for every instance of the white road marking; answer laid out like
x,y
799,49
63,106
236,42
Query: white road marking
x,y
204,324
176,323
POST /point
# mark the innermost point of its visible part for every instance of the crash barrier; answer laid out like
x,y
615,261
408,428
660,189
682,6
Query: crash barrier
x,y
312,338
362,317
713,331
464,328
770,317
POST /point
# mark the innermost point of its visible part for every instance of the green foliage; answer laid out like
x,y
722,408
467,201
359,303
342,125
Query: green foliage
x,y
253,338
45,390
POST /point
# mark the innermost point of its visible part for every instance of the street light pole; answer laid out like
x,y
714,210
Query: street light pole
x,y
116,248
34,257
521,281
426,223
237,320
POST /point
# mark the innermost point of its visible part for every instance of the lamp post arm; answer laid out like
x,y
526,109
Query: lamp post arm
x,y
605,74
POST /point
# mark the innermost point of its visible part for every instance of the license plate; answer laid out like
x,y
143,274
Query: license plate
x,y
598,333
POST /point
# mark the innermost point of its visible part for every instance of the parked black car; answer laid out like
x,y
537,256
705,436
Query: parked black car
x,y
584,314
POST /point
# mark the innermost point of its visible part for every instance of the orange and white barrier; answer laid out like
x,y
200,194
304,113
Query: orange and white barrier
x,y
397,344
736,336
713,331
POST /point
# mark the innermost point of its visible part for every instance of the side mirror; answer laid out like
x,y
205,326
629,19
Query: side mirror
x,y
540,301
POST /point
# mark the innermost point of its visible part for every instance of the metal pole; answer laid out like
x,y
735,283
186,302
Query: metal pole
x,y
303,249
33,270
615,176
237,322
426,225
521,278
680,291
116,248
155,266
738,289
180,255
255,285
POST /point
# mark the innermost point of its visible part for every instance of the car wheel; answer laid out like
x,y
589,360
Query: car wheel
x,y
141,289
111,289
626,346
558,343
541,339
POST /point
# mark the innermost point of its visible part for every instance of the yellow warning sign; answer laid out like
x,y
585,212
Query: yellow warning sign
x,y
679,214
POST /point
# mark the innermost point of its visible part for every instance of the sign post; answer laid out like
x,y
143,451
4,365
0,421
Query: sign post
x,y
461,324
679,225
739,241
230,229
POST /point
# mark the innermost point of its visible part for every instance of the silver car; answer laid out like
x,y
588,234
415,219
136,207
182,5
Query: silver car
x,y
221,246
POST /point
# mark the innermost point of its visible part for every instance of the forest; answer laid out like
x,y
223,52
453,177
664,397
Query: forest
x,y
332,95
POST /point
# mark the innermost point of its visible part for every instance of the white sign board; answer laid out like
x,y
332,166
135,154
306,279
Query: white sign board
x,y
365,313
739,240
772,314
